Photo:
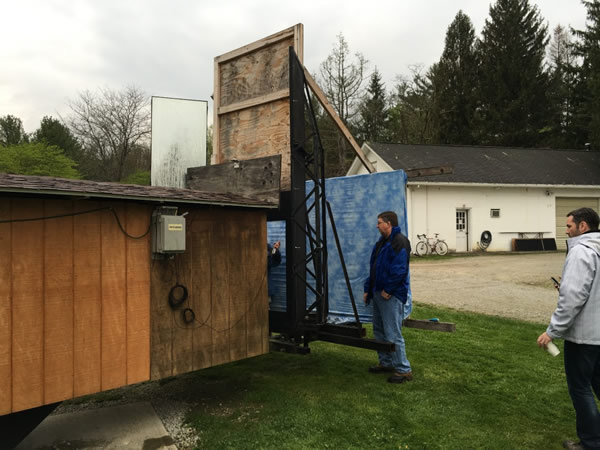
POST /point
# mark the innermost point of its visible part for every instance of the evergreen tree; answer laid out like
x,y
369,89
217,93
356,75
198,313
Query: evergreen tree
x,y
373,110
513,99
412,116
454,80
53,132
587,95
561,61
11,131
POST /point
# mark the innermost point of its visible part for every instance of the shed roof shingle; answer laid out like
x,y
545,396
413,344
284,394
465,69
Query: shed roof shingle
x,y
502,165
61,186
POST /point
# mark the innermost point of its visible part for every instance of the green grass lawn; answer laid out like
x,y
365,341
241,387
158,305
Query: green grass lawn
x,y
485,386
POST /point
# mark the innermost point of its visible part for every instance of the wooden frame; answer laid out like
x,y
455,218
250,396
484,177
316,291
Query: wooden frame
x,y
251,100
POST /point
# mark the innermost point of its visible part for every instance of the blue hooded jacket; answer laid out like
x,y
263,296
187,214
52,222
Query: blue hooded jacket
x,y
391,266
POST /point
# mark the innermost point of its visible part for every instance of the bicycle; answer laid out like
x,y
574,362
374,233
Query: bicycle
x,y
428,245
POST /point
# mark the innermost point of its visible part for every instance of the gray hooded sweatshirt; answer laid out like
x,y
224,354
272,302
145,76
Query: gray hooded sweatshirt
x,y
577,314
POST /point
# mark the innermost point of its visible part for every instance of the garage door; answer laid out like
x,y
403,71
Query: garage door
x,y
565,205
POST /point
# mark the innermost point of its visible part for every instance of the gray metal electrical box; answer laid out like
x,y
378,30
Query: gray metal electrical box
x,y
168,231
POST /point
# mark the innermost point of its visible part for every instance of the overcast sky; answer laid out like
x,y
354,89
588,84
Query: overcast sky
x,y
50,50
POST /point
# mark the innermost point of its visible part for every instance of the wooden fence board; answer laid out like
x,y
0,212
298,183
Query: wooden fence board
x,y
138,294
201,299
254,251
114,297
27,258
220,282
58,302
239,286
161,321
183,334
87,298
5,310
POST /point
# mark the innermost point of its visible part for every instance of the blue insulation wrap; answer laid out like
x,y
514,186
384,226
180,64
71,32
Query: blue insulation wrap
x,y
355,201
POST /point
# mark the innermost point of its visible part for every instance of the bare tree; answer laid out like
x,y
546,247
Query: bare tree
x,y
113,126
342,79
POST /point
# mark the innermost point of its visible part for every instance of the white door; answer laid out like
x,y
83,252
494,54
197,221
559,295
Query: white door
x,y
461,230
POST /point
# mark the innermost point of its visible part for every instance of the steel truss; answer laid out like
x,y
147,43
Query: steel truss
x,y
305,215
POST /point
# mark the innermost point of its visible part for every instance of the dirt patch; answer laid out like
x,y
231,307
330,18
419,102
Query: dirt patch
x,y
508,285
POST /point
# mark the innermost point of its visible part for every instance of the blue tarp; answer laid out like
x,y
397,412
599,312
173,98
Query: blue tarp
x,y
355,201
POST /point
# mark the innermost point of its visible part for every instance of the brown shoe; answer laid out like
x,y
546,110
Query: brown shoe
x,y
380,369
400,377
572,445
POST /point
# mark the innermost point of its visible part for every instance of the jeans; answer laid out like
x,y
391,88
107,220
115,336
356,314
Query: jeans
x,y
582,368
387,326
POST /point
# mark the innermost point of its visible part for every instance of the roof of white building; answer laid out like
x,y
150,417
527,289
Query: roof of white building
x,y
495,164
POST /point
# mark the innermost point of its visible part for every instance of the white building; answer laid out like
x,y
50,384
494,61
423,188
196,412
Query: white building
x,y
511,192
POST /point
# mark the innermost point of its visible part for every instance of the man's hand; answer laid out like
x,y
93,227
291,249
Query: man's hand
x,y
365,298
543,340
385,295
276,244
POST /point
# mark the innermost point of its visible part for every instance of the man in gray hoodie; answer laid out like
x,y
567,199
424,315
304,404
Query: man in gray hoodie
x,y
577,321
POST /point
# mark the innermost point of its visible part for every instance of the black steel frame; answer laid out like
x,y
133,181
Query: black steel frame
x,y
305,215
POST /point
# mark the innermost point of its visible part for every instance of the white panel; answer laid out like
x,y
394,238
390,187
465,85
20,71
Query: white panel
x,y
178,139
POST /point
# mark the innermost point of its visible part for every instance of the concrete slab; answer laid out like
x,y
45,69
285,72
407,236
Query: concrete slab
x,y
133,426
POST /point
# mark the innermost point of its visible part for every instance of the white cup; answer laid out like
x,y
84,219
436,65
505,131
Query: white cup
x,y
552,349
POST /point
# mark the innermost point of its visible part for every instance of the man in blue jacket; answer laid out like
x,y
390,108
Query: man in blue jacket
x,y
387,285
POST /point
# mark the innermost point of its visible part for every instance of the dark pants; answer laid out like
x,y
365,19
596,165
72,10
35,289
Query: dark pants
x,y
582,368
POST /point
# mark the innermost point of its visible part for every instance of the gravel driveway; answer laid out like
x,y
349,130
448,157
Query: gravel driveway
x,y
509,285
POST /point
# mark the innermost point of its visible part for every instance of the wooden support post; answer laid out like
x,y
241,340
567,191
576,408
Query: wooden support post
x,y
338,122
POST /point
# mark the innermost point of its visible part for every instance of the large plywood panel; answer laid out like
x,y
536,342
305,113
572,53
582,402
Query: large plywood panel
x,y
252,100
114,297
263,130
87,299
261,72
58,301
27,257
5,310
138,294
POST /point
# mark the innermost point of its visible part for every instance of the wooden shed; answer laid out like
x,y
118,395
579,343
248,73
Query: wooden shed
x,y
85,308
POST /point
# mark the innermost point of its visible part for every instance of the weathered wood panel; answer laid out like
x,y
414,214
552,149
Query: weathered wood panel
x,y
261,72
183,346
58,301
5,310
27,259
224,270
161,321
138,294
239,289
252,112
256,178
221,282
256,272
201,299
114,298
87,298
